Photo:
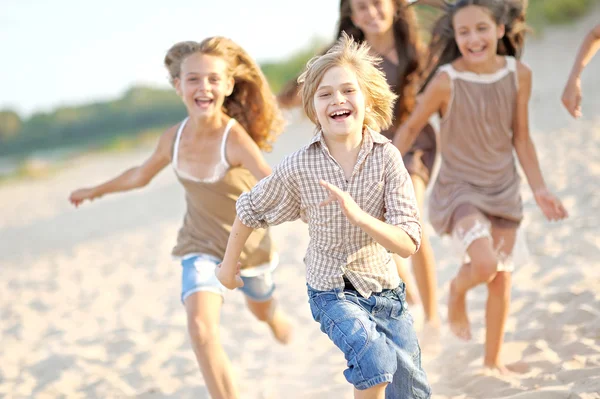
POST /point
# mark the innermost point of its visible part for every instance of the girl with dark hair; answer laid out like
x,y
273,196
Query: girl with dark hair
x,y
389,27
482,93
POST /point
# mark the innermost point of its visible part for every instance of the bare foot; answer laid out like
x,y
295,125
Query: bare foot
x,y
512,368
433,322
281,327
457,314
518,367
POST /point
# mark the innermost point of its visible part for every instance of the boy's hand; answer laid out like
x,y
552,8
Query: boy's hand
x,y
551,206
225,276
349,207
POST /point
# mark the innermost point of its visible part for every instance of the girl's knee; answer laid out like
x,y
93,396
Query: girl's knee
x,y
201,332
263,311
500,285
484,268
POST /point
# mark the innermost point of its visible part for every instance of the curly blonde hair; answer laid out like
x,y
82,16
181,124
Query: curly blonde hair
x,y
348,53
252,102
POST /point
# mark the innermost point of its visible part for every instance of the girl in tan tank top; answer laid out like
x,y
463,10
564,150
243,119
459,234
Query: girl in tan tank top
x,y
216,158
482,93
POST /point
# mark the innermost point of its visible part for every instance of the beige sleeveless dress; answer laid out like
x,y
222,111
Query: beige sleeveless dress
x,y
478,166
210,212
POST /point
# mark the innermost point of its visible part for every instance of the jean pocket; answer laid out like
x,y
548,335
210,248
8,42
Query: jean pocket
x,y
349,334
399,308
314,310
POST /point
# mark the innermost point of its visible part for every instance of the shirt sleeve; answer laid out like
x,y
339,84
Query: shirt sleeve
x,y
273,200
401,208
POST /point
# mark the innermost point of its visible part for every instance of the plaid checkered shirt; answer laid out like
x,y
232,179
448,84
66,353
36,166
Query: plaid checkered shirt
x,y
379,184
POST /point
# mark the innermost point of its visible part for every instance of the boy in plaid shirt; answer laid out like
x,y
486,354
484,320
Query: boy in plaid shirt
x,y
358,200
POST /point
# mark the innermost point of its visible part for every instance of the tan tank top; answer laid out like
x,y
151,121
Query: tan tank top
x,y
210,210
478,166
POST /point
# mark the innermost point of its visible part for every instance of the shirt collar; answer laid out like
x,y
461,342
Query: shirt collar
x,y
377,138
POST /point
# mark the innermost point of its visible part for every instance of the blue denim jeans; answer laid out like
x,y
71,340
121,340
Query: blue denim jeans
x,y
377,338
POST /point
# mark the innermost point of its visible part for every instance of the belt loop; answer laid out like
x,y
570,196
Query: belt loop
x,y
400,290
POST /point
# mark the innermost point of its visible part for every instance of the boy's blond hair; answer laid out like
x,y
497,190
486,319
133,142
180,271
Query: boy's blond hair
x,y
347,53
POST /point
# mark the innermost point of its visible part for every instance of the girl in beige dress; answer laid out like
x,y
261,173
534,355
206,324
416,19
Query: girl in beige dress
x,y
482,93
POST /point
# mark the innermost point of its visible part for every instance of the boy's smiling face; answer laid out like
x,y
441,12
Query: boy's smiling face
x,y
340,103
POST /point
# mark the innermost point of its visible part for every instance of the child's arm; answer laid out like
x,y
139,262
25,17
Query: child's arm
x,y
526,153
401,232
228,272
274,200
132,178
242,150
434,99
571,97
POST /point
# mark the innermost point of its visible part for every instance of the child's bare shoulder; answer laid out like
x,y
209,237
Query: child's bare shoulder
x,y
166,140
523,74
238,135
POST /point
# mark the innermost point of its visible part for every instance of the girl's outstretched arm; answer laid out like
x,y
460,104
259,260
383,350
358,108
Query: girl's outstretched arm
x,y
228,272
136,177
571,97
526,153
433,100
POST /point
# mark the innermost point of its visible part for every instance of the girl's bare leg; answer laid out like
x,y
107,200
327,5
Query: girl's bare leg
x,y
203,317
498,302
276,319
481,269
423,263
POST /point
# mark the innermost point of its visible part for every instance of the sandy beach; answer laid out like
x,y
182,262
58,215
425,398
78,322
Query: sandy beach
x,y
89,297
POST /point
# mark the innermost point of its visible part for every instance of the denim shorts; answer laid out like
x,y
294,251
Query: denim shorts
x,y
198,274
377,338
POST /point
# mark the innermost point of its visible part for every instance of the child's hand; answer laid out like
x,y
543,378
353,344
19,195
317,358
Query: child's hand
x,y
551,206
571,97
78,196
225,276
349,207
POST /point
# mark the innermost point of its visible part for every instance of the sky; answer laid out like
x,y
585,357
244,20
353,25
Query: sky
x,y
68,52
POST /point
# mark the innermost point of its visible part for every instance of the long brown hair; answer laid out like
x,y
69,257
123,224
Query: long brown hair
x,y
408,48
443,48
251,103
